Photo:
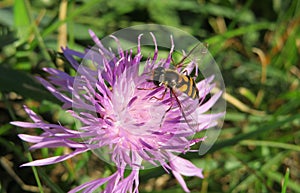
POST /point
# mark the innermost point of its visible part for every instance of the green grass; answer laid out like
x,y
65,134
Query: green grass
x,y
256,45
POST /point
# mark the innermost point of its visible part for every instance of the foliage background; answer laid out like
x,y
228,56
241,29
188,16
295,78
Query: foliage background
x,y
256,44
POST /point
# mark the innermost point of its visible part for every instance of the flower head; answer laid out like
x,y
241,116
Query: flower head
x,y
126,115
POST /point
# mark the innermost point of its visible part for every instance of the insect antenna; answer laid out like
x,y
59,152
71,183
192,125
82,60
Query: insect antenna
x,y
180,63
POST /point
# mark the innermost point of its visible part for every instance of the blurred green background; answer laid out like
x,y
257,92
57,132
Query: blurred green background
x,y
255,43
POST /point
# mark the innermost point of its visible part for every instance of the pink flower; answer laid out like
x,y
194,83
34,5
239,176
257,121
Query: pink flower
x,y
120,117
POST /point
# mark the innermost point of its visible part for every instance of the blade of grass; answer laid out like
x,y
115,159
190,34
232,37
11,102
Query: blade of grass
x,y
29,156
37,33
272,165
239,14
74,13
240,31
219,39
21,20
54,187
274,124
270,144
10,146
285,181
255,175
276,176
5,164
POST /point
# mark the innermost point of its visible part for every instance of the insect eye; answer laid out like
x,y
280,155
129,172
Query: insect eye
x,y
160,69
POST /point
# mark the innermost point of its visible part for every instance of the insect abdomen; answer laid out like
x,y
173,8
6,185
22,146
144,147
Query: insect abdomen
x,y
187,85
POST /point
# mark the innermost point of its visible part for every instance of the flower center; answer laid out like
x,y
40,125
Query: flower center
x,y
136,115
139,114
141,117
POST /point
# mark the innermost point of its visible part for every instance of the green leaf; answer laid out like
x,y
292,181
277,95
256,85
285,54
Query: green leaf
x,y
23,84
21,19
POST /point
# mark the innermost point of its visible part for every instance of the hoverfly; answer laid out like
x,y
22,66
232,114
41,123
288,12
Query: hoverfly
x,y
174,80
177,82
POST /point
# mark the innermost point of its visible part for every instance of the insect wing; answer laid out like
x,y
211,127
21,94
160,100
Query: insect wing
x,y
196,121
188,108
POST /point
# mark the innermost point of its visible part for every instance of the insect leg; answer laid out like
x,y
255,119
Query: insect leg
x,y
148,88
162,97
163,117
185,72
179,104
172,93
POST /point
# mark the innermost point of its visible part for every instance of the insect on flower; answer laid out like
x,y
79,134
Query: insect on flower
x,y
180,85
118,119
